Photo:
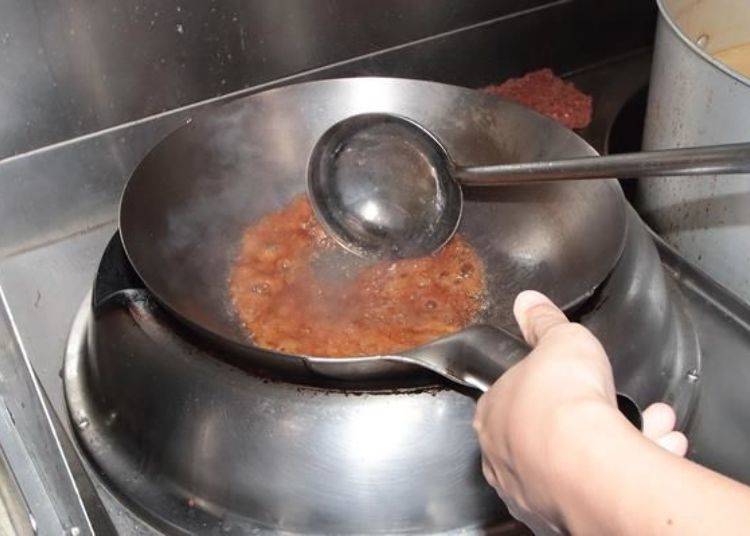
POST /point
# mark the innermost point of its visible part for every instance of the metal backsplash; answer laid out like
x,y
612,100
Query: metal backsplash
x,y
63,190
70,67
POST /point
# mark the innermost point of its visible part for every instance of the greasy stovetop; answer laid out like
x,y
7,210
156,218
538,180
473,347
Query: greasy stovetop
x,y
43,287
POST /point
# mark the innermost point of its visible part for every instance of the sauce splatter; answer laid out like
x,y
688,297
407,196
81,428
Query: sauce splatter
x,y
297,292
549,95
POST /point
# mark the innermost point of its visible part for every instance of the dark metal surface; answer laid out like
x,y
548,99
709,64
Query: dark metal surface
x,y
261,452
475,357
356,181
185,207
720,435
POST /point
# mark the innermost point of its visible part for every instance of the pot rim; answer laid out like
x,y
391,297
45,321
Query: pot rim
x,y
664,12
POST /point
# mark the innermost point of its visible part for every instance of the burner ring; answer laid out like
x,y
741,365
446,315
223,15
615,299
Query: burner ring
x,y
188,440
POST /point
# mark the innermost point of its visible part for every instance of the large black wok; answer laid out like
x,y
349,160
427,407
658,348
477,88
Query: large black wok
x,y
185,206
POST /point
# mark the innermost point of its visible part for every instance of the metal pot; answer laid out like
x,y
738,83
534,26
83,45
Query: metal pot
x,y
696,100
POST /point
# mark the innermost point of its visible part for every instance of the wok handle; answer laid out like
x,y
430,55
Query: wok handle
x,y
493,352
497,350
476,356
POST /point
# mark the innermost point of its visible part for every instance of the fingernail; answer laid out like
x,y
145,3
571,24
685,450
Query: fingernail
x,y
528,299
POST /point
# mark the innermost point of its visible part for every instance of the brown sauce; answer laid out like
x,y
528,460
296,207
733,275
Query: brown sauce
x,y
289,301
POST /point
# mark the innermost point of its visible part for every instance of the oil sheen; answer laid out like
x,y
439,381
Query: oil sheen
x,y
298,292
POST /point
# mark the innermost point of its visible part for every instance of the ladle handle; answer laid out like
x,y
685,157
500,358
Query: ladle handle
x,y
710,160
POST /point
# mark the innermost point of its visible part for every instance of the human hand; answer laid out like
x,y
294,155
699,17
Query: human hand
x,y
529,421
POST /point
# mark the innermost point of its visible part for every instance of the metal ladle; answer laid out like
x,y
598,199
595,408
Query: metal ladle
x,y
385,187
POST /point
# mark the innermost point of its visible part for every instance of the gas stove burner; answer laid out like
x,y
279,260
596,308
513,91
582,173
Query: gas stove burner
x,y
194,435
191,441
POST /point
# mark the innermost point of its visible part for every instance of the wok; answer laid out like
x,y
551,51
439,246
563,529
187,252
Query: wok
x,y
186,205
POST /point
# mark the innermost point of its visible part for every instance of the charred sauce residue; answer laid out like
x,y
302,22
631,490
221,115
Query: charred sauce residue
x,y
297,292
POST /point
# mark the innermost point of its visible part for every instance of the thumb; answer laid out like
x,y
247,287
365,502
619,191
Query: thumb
x,y
536,315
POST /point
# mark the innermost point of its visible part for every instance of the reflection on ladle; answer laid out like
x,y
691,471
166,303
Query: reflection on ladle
x,y
385,187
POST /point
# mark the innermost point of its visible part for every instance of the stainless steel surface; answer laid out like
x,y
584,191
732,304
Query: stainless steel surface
x,y
57,207
185,207
266,454
58,204
15,519
719,434
40,509
696,100
37,286
69,70
53,490
29,442
56,192
44,286
74,188
292,457
385,187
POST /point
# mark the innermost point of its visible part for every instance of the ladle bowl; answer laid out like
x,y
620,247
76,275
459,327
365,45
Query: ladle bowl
x,y
378,184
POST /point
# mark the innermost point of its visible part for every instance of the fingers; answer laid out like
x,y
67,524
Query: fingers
x,y
658,426
489,473
536,315
674,442
658,420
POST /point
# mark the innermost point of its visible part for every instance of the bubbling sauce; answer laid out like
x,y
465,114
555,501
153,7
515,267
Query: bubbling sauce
x,y
298,292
